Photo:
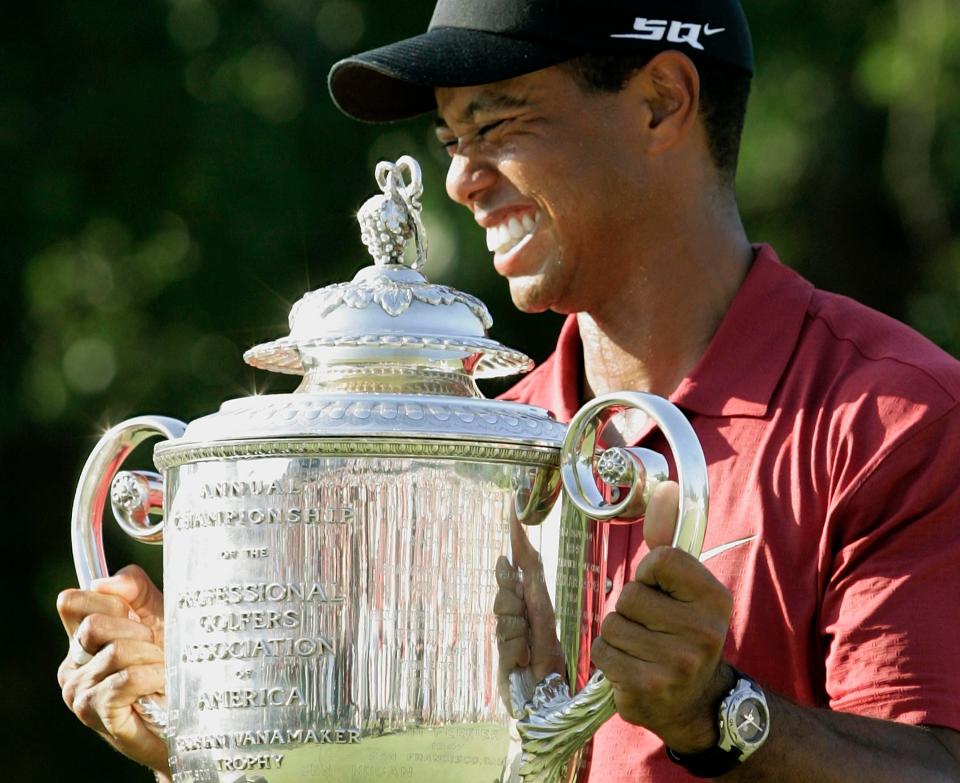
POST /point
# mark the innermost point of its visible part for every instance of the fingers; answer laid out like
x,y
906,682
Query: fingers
x,y
102,693
526,623
107,707
109,661
635,639
523,605
74,605
512,627
682,648
124,654
623,668
507,603
660,519
660,612
132,584
94,620
120,622
650,607
682,577
508,576
102,705
514,654
675,601
510,610
526,630
98,630
661,649
125,606
513,638
123,688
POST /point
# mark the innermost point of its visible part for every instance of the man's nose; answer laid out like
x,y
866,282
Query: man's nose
x,y
468,179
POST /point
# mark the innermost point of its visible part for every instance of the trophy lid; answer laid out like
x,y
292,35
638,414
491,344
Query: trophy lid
x,y
388,355
389,315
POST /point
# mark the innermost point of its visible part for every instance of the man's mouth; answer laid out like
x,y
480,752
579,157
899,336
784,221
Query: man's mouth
x,y
507,235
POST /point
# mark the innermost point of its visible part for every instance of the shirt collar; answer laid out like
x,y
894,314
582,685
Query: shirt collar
x,y
744,361
566,372
748,354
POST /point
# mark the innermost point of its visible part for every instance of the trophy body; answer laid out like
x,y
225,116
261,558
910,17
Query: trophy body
x,y
330,617
332,557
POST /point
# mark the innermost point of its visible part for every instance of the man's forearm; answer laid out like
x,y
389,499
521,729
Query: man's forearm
x,y
820,746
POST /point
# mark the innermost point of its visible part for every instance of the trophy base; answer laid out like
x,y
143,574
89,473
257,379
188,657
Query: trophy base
x,y
467,753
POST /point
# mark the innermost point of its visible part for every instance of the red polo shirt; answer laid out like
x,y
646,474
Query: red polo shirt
x,y
832,436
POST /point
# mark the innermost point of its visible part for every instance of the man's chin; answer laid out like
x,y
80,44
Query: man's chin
x,y
530,295
526,296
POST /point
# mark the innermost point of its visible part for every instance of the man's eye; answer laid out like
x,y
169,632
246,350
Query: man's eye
x,y
485,129
451,144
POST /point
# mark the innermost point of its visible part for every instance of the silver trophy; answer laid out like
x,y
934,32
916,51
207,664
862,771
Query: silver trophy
x,y
331,555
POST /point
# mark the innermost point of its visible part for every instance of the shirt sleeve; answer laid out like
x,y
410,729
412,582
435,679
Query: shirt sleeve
x,y
891,604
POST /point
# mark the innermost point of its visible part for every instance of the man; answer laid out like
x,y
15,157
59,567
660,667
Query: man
x,y
596,146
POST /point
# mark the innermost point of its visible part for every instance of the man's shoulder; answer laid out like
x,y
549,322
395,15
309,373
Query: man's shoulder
x,y
872,351
874,388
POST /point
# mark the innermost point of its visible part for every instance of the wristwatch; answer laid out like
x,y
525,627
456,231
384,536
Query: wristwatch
x,y
744,724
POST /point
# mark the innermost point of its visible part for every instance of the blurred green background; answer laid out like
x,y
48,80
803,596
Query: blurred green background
x,y
173,176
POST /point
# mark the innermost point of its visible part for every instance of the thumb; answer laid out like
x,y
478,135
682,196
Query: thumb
x,y
524,553
132,584
660,521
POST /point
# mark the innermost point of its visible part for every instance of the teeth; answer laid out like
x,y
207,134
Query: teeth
x,y
509,234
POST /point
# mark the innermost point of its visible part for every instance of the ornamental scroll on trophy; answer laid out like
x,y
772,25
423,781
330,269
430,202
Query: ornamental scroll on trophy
x,y
331,556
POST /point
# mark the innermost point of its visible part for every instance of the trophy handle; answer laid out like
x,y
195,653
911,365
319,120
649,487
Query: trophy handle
x,y
134,495
555,725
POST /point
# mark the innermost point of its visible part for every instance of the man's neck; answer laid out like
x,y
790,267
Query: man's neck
x,y
648,336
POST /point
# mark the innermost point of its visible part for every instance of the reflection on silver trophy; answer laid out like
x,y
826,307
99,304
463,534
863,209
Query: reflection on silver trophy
x,y
331,555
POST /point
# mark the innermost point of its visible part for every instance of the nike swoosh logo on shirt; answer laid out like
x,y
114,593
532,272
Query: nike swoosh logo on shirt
x,y
719,550
707,30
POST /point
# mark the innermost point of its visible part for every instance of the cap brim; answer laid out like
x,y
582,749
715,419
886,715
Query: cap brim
x,y
397,81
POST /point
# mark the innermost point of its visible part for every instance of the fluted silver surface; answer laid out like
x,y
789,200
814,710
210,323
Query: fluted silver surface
x,y
320,610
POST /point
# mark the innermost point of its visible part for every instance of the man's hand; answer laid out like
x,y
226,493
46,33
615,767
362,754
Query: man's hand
x,y
526,623
661,648
120,623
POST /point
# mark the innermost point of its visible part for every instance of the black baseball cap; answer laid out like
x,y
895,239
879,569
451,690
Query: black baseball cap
x,y
471,42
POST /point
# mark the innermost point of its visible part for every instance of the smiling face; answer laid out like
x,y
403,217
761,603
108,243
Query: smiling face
x,y
553,175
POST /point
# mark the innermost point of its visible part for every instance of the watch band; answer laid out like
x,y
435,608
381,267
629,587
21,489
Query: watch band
x,y
710,763
715,761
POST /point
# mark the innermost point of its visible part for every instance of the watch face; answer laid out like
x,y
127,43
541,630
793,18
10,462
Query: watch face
x,y
750,720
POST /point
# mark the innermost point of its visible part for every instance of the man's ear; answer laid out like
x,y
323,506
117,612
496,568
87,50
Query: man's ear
x,y
667,90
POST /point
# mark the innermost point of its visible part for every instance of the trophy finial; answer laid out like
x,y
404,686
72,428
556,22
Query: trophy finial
x,y
389,220
389,320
